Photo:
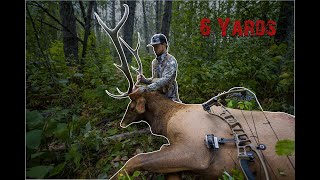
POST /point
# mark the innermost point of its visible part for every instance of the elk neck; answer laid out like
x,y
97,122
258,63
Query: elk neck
x,y
159,110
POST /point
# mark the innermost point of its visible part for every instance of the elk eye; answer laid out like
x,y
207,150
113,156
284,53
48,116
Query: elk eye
x,y
131,107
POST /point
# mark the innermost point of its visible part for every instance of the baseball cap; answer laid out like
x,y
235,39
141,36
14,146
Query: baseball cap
x,y
158,39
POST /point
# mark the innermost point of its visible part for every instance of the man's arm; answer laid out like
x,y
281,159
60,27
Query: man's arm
x,y
168,73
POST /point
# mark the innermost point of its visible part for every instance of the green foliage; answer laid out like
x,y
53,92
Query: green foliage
x,y
74,155
210,65
285,147
33,138
244,105
136,174
58,169
69,117
34,119
235,175
38,172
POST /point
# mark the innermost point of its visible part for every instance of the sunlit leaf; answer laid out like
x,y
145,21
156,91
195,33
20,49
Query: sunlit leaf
x,y
136,174
285,147
241,105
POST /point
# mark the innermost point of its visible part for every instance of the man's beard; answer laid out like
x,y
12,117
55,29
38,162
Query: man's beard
x,y
160,53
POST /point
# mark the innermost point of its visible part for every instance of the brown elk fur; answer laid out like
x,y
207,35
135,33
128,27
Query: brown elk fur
x,y
185,126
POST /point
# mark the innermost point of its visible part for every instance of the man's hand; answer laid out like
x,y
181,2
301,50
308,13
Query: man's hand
x,y
139,89
141,78
135,87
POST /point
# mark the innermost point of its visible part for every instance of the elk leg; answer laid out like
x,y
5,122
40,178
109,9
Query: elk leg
x,y
172,158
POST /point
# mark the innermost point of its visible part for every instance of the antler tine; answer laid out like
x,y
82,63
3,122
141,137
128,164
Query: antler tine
x,y
120,91
113,33
118,26
135,54
125,95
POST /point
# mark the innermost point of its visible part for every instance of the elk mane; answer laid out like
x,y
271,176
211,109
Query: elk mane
x,y
158,117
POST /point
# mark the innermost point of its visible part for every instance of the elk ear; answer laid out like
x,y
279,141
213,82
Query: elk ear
x,y
141,104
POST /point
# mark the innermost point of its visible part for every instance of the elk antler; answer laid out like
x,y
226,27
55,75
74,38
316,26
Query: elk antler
x,y
135,54
113,33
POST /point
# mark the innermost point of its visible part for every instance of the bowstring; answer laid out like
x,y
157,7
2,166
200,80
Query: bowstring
x,y
268,122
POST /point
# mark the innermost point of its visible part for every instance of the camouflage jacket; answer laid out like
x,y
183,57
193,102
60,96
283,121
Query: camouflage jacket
x,y
165,68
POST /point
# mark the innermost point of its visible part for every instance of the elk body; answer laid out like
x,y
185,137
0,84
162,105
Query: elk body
x,y
186,125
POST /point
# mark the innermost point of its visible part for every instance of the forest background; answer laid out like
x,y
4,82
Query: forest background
x,y
72,125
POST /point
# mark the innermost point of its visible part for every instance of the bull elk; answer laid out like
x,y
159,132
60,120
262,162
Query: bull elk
x,y
186,125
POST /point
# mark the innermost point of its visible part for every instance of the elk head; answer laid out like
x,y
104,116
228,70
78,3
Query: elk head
x,y
136,107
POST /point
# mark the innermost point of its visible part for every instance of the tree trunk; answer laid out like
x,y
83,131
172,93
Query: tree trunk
x,y
160,14
44,55
128,28
285,23
165,28
113,13
157,16
106,13
70,43
113,23
121,7
97,25
229,5
146,37
285,31
87,28
122,12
